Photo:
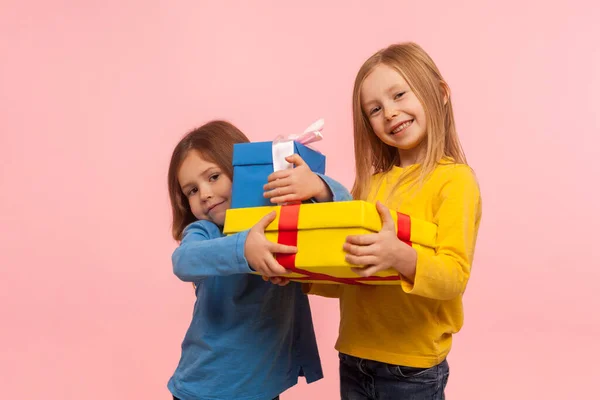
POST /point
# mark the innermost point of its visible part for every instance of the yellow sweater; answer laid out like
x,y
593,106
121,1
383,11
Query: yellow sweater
x,y
412,324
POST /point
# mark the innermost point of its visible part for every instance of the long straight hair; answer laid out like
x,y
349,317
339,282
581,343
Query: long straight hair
x,y
422,75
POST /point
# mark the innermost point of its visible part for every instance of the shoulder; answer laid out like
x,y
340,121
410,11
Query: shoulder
x,y
452,177
448,170
455,171
202,230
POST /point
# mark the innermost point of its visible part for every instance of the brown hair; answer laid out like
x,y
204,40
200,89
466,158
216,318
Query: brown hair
x,y
214,141
422,75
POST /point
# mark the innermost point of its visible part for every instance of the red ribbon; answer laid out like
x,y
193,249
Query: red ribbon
x,y
403,231
288,235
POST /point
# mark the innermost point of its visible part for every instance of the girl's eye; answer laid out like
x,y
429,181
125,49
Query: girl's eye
x,y
213,177
374,110
192,192
398,95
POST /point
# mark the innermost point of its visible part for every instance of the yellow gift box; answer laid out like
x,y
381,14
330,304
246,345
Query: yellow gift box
x,y
319,230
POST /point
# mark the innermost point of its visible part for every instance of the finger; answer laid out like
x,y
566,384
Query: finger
x,y
386,218
280,191
288,198
279,280
263,269
284,173
367,271
357,250
276,248
277,183
265,221
275,268
264,278
283,281
361,260
295,159
362,240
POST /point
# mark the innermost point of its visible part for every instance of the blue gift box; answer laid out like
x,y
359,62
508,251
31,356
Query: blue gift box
x,y
253,163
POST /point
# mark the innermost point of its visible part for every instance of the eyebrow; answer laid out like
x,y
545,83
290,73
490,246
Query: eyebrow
x,y
396,87
391,89
184,188
368,103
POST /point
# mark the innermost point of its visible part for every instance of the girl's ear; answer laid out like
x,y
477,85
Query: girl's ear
x,y
445,91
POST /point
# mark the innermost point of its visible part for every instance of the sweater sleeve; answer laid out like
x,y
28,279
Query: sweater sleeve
x,y
443,275
339,191
204,252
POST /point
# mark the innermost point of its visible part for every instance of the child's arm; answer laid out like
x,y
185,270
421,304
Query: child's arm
x,y
205,252
337,190
444,274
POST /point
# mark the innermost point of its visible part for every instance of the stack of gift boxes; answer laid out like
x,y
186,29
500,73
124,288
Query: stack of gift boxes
x,y
319,230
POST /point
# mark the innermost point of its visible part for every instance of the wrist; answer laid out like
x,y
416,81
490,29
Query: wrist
x,y
247,247
324,193
406,263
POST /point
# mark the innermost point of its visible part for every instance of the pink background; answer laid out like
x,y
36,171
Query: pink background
x,y
95,94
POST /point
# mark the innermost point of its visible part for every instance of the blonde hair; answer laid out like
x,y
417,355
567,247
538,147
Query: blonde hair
x,y
425,80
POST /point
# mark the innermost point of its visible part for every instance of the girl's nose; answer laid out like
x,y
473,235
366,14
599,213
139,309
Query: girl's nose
x,y
205,193
391,113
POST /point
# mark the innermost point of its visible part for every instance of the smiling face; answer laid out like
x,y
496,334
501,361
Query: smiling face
x,y
394,112
206,187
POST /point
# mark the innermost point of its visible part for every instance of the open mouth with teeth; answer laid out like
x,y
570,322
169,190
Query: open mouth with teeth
x,y
401,126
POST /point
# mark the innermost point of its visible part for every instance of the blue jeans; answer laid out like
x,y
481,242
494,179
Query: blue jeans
x,y
362,379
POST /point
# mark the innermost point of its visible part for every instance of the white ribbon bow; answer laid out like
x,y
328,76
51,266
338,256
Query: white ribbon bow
x,y
284,146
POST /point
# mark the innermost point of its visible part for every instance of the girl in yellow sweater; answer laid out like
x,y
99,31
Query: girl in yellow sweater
x,y
394,339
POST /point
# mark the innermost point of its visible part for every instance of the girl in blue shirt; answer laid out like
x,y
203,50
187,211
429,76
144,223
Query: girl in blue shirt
x,y
248,339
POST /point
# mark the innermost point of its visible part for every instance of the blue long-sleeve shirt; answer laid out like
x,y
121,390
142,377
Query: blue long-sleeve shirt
x,y
248,339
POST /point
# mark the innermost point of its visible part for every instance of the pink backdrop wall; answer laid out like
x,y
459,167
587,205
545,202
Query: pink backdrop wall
x,y
94,95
